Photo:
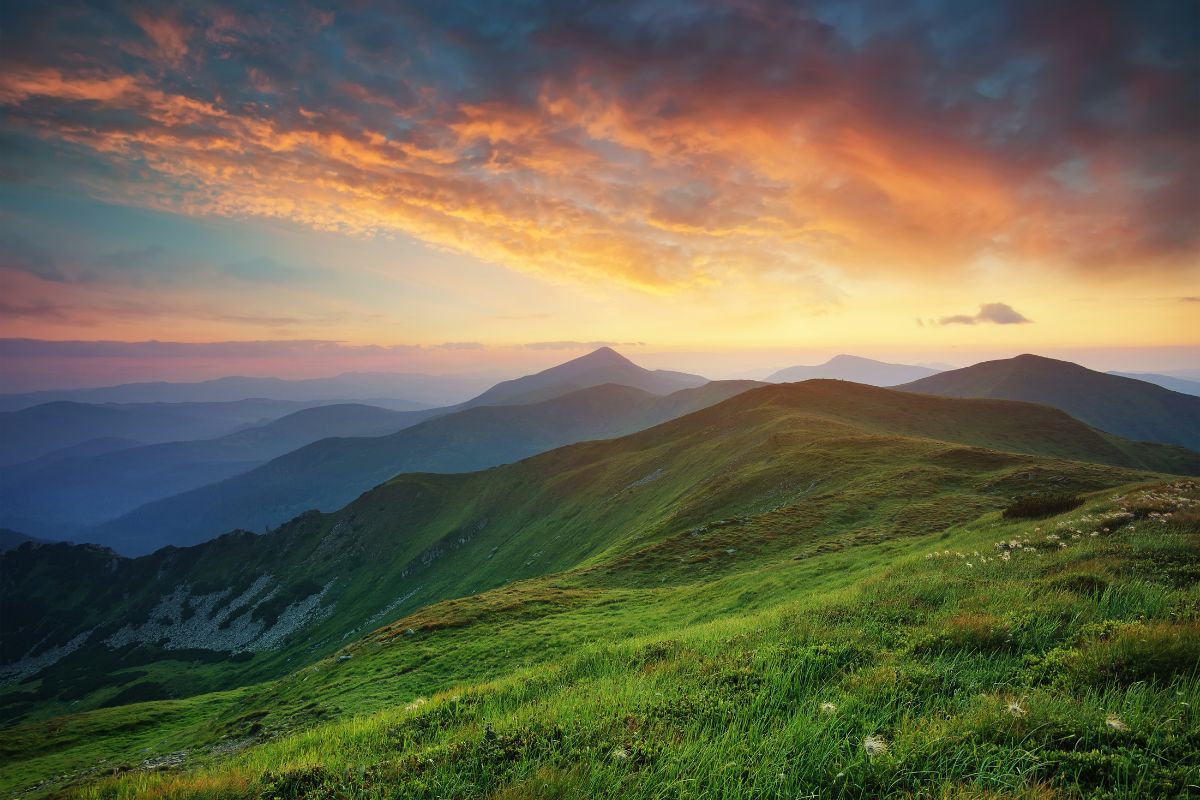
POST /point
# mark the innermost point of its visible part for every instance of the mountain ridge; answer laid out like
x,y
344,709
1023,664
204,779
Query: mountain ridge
x,y
1124,406
854,368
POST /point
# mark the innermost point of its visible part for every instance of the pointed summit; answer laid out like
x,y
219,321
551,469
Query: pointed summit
x,y
605,356
602,365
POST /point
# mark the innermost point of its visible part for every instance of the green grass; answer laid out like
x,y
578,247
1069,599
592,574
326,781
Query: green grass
x,y
1062,663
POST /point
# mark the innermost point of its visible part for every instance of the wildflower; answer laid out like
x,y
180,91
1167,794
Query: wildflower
x,y
875,746
620,754
1114,723
1014,708
415,704
828,708
969,564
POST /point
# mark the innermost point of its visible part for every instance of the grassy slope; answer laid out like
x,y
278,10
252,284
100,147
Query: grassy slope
x,y
565,685
715,530
799,461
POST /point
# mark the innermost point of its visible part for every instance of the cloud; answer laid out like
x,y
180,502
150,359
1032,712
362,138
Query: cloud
x,y
995,313
1190,299
659,146
461,345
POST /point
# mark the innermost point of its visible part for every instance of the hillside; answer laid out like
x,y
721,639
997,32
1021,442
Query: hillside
x,y
817,457
854,368
1129,408
599,367
72,489
781,575
332,472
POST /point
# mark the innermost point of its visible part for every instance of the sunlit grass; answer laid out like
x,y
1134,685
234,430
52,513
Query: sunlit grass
x,y
895,672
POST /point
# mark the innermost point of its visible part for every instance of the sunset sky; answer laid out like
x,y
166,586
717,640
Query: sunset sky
x,y
720,186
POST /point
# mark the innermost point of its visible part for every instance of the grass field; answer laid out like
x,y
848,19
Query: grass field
x,y
1043,658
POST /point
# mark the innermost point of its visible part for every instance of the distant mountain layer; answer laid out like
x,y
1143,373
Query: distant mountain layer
x,y
854,368
404,391
10,539
79,487
601,366
33,433
1130,408
1181,385
329,473
767,471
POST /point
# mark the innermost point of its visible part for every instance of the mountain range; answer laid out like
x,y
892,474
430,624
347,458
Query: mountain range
x,y
1175,384
857,369
809,458
77,492
1130,408
396,390
66,491
72,428
330,473
828,557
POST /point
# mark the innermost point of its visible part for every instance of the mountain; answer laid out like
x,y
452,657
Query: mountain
x,y
330,473
395,390
768,473
71,489
38,431
1180,385
599,367
854,368
10,539
1130,408
802,568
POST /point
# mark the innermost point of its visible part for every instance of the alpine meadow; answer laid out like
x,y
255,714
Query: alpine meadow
x,y
653,399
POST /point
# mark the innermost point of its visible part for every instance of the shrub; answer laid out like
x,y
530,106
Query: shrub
x,y
1042,505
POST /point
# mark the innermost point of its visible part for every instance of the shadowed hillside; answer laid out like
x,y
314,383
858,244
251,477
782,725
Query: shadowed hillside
x,y
815,460
332,472
1130,408
827,557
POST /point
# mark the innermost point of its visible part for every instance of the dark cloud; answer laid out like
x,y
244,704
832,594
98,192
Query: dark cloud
x,y
995,313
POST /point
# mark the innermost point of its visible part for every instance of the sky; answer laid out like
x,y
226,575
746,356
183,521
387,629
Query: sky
x,y
308,188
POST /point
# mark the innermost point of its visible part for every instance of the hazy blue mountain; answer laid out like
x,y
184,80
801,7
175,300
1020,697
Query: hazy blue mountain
x,y
329,473
599,367
37,431
10,539
1130,408
396,390
58,496
1181,385
854,368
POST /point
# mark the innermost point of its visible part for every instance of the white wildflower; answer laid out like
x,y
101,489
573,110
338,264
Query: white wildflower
x,y
875,746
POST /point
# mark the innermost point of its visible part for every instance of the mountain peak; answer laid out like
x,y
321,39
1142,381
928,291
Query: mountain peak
x,y
602,356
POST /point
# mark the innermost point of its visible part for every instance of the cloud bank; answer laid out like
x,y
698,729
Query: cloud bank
x,y
653,143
